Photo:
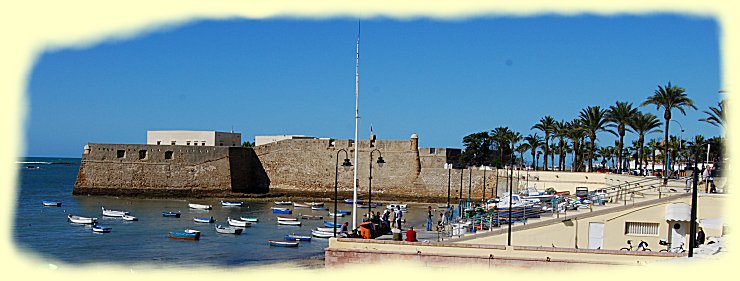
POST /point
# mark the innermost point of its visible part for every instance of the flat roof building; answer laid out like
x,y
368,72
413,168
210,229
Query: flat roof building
x,y
198,138
261,140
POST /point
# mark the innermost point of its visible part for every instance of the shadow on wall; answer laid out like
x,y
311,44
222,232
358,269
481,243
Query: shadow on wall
x,y
247,173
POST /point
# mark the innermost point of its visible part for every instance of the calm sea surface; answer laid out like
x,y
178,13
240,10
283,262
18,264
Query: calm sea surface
x,y
46,232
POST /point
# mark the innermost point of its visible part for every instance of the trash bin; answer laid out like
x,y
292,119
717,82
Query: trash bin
x,y
397,236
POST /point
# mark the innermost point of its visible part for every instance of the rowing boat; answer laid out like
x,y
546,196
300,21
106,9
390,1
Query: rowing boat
x,y
204,220
283,243
200,206
81,220
286,218
184,235
296,237
294,223
239,223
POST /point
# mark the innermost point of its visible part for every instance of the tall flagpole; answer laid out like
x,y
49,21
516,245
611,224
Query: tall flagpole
x,y
357,118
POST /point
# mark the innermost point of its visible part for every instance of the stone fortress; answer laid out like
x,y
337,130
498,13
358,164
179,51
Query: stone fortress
x,y
303,167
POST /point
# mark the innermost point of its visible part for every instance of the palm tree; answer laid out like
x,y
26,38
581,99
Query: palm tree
x,y
521,149
594,120
534,142
500,136
512,139
716,115
619,116
560,130
653,144
546,125
553,148
605,153
669,97
575,132
643,124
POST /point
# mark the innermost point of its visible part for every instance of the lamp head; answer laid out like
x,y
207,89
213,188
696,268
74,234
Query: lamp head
x,y
346,164
380,161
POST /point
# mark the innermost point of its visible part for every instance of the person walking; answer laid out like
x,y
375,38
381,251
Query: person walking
x,y
393,219
429,218
700,237
399,217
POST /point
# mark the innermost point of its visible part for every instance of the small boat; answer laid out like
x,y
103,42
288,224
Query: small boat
x,y
129,218
296,237
314,204
338,215
112,213
228,230
321,234
248,219
311,217
276,210
171,214
319,208
231,204
184,235
283,243
294,223
344,212
283,203
329,229
331,224
200,206
101,229
365,206
349,201
286,218
51,203
81,220
204,220
239,223
299,205
190,230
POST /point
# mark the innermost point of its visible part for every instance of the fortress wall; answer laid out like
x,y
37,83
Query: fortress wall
x,y
143,170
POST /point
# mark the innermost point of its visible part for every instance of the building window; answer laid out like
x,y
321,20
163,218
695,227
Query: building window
x,y
432,151
142,154
187,143
121,153
203,143
173,142
159,142
220,144
641,228
167,155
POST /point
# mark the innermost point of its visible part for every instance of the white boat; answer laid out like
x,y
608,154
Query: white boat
x,y
228,230
249,219
328,229
81,220
396,206
296,223
286,218
283,202
204,220
239,223
189,230
112,213
101,229
231,204
338,214
314,204
319,208
321,234
199,206
299,205
129,218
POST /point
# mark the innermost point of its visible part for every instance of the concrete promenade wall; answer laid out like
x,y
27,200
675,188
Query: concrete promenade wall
x,y
142,170
345,251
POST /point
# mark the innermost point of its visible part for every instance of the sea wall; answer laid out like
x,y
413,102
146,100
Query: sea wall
x,y
167,170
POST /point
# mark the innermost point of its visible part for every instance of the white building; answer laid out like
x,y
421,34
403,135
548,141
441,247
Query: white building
x,y
261,140
201,138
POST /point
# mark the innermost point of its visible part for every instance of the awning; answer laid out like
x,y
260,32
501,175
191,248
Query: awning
x,y
711,223
678,212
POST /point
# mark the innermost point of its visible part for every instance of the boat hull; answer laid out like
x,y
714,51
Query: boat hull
x,y
81,220
171,214
229,230
204,220
51,203
293,223
283,243
291,237
200,206
321,234
101,229
184,235
238,223
281,211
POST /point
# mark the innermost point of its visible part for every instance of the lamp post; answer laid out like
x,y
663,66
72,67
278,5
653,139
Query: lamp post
x,y
694,188
346,165
449,177
459,198
370,182
511,175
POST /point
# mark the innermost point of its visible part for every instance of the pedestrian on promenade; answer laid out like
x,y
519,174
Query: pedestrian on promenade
x,y
429,218
399,217
393,219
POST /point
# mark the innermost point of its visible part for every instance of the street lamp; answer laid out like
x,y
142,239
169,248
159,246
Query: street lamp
x,y
370,183
346,165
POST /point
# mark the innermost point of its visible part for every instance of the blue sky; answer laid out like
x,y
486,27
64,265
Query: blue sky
x,y
440,79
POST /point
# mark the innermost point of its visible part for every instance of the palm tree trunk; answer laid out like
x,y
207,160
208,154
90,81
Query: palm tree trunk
x,y
665,150
621,145
547,148
591,155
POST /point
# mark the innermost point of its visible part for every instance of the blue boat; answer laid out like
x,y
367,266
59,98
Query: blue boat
x,y
283,243
344,212
331,224
184,235
349,201
295,237
51,203
101,229
276,210
204,220
171,214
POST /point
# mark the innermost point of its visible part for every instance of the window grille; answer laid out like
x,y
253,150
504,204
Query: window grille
x,y
641,228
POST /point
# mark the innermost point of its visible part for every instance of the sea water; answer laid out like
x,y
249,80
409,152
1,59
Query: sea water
x,y
45,231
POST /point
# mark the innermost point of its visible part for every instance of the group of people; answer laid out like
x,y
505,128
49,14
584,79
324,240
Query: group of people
x,y
375,224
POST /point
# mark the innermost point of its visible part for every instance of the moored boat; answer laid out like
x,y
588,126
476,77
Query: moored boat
x,y
319,208
299,205
190,230
248,219
101,229
296,237
199,206
171,214
283,203
176,235
286,218
314,204
329,229
228,230
344,212
204,220
277,210
293,223
321,234
349,201
239,223
129,218
338,214
112,213
81,220
231,204
311,217
51,203
283,243
331,224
